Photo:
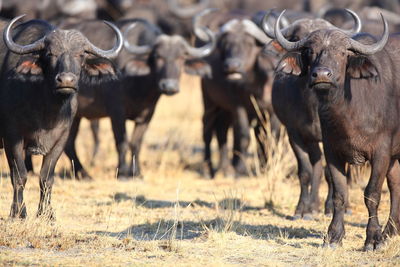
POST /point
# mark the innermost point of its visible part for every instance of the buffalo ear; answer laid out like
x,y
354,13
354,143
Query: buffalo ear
x,y
198,67
28,66
361,67
99,70
136,67
266,63
274,48
291,63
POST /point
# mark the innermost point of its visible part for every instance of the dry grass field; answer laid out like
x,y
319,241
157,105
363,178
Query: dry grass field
x,y
174,217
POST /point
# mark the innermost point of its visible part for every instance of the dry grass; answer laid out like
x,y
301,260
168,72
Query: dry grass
x,y
174,217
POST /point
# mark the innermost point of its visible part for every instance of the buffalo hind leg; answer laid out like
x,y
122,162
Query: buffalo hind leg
x,y
305,174
372,196
95,128
79,172
46,178
222,124
315,156
28,162
393,179
329,197
241,132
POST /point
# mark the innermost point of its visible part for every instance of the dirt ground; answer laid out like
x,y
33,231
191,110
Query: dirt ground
x,y
174,217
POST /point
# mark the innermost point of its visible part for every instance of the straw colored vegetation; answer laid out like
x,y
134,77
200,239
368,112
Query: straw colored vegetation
x,y
176,217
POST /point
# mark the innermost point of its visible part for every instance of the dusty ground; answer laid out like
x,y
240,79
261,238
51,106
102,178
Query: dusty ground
x,y
174,216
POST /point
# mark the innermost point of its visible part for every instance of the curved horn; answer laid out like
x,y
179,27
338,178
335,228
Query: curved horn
x,y
197,22
113,52
206,49
357,23
187,12
252,29
373,48
143,49
21,49
289,46
267,28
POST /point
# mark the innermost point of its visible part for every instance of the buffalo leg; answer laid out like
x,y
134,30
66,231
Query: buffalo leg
x,y
118,126
46,178
336,230
28,162
241,131
70,150
315,156
209,118
393,179
14,152
95,128
136,144
261,138
372,196
222,125
304,170
329,197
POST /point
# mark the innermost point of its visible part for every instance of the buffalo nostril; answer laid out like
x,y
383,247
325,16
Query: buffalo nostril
x,y
315,75
329,74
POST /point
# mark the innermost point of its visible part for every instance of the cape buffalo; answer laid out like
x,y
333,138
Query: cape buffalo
x,y
241,78
297,108
148,71
356,82
42,70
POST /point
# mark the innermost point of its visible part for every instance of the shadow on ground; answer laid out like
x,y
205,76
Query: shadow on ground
x,y
187,230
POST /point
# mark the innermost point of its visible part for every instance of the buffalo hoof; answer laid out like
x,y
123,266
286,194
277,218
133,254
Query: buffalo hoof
x,y
296,217
47,215
349,212
374,241
83,176
207,171
331,245
308,217
17,211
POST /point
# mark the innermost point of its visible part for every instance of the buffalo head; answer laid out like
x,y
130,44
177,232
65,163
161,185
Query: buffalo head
x,y
329,56
300,28
62,58
166,56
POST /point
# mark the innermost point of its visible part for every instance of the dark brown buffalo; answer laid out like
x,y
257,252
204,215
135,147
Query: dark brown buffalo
x,y
148,71
40,77
356,82
240,72
297,108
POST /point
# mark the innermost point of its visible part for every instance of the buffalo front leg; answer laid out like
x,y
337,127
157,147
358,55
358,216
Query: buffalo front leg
x,y
15,157
304,171
372,196
336,230
393,179
121,143
136,144
241,137
70,150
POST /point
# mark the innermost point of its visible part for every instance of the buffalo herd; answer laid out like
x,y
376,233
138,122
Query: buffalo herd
x,y
327,71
